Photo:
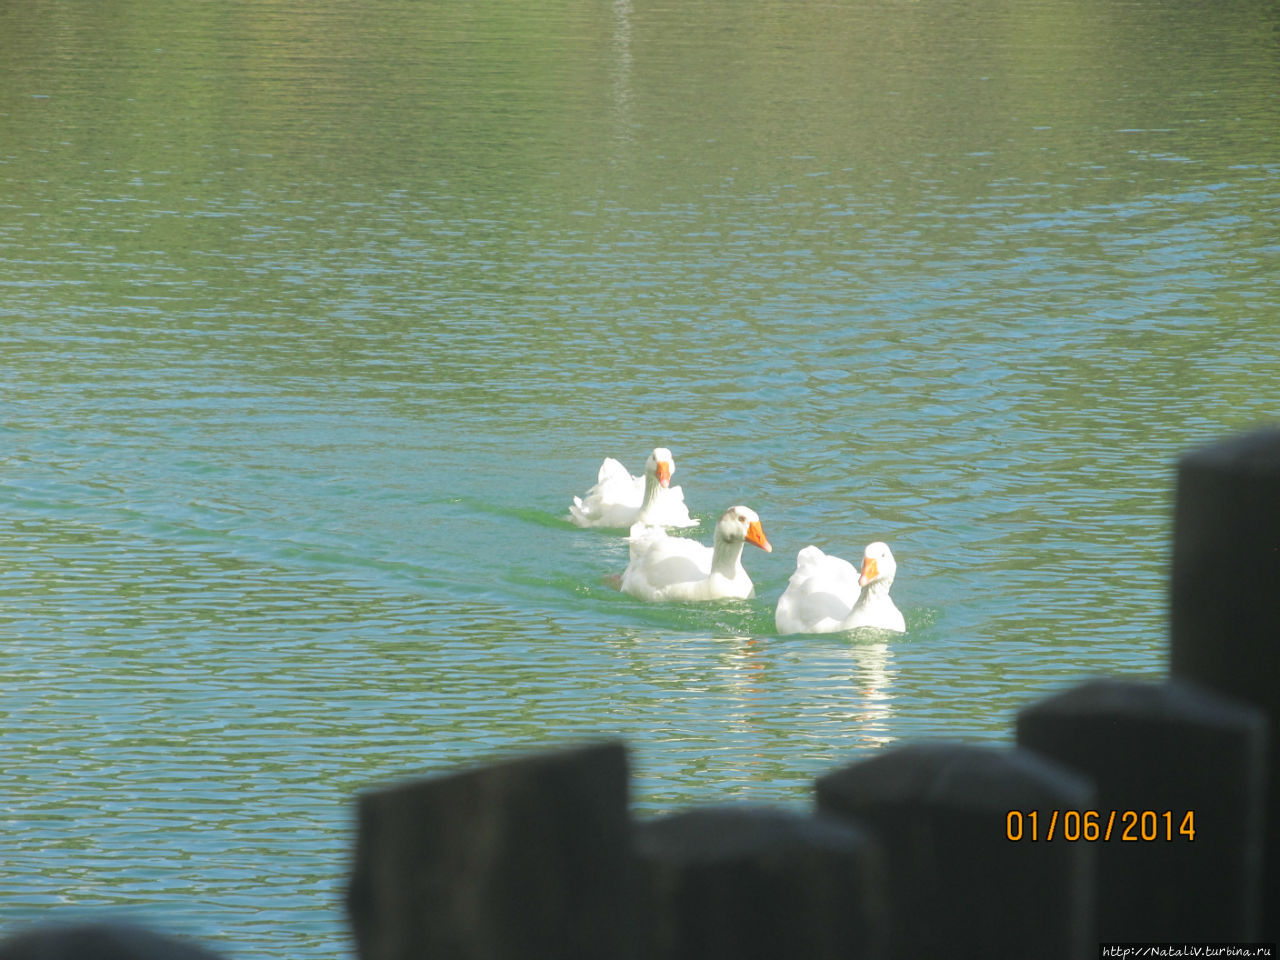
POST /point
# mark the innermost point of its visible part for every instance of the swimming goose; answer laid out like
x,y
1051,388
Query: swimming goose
x,y
663,567
828,595
621,500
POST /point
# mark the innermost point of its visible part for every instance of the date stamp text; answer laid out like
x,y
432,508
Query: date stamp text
x,y
1101,826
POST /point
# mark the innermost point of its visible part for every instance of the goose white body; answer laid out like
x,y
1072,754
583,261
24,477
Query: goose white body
x,y
828,595
620,500
665,568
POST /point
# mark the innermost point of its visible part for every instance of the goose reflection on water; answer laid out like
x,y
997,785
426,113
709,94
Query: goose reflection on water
x,y
851,684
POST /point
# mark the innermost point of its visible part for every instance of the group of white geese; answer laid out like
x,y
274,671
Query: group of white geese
x,y
825,595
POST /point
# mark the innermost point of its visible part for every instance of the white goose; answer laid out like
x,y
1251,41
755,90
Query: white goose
x,y
663,567
827,594
620,500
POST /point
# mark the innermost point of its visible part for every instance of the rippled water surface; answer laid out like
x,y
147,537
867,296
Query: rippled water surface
x,y
314,322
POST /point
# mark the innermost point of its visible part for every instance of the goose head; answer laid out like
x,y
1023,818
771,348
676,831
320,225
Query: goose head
x,y
742,525
878,565
660,466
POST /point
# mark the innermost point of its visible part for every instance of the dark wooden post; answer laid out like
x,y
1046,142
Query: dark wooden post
x,y
1179,773
527,858
100,941
736,883
958,885
1225,624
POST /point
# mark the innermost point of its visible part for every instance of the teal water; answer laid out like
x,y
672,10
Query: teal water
x,y
313,324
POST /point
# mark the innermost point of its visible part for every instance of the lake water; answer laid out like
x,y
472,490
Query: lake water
x,y
316,318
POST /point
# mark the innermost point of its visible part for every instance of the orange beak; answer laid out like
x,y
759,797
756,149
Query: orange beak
x,y
869,571
755,534
664,472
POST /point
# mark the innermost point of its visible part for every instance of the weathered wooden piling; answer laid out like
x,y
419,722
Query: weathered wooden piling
x,y
1225,598
972,868
736,883
528,858
1179,773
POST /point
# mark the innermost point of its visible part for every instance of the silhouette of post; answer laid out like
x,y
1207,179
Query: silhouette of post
x,y
528,858
1179,773
736,883
1225,599
100,941
965,832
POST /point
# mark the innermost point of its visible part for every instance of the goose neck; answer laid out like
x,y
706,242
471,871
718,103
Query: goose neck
x,y
651,488
872,595
726,557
